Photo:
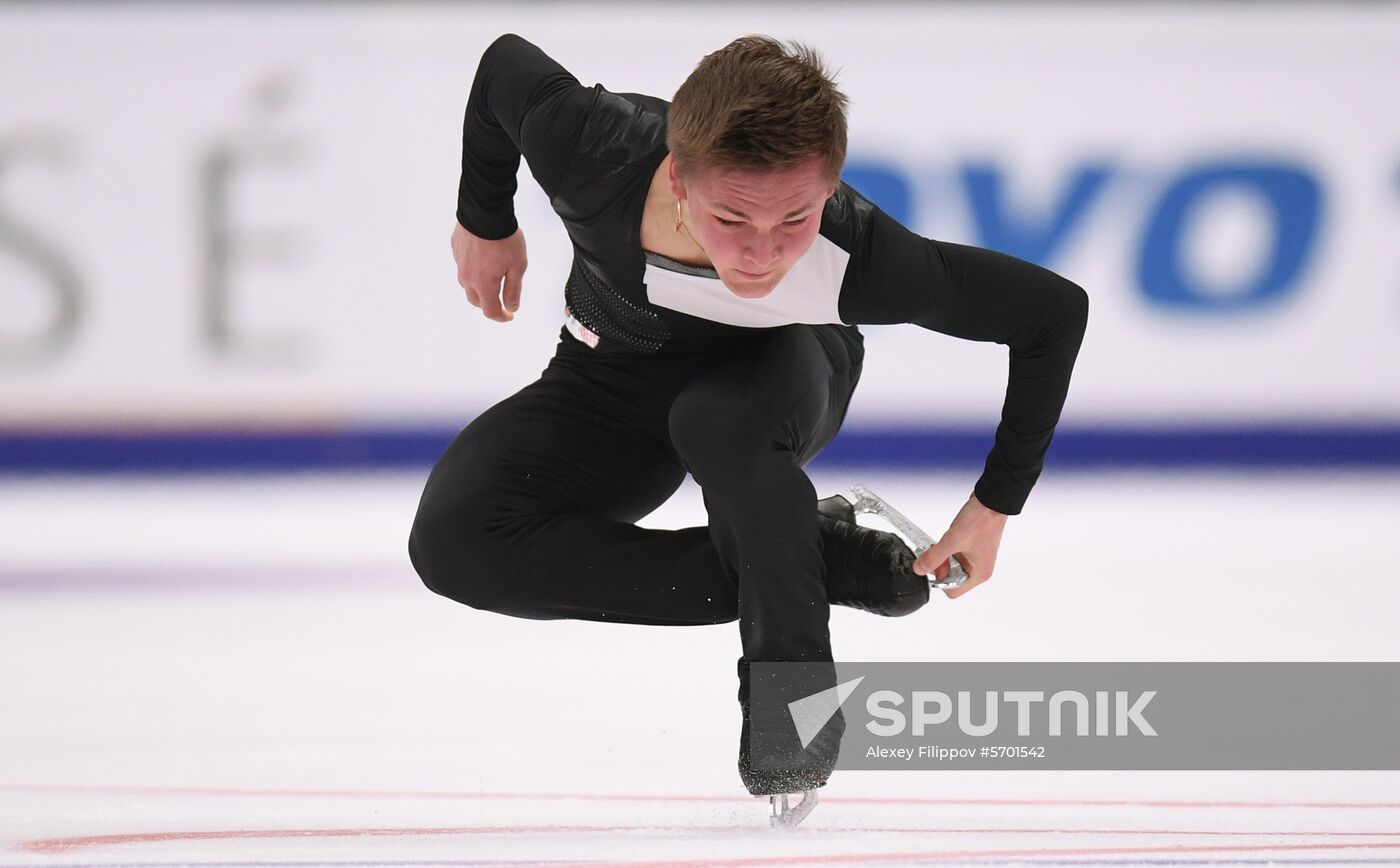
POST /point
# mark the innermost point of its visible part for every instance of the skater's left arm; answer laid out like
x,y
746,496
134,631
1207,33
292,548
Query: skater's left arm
x,y
982,295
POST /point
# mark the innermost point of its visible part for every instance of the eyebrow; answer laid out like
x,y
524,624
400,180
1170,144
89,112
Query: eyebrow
x,y
744,216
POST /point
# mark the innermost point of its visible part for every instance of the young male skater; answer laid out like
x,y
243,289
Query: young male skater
x,y
720,270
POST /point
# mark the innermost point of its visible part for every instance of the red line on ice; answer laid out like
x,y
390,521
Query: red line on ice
x,y
62,845
849,800
950,855
66,844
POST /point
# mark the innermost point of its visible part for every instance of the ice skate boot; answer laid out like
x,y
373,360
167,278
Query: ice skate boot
x,y
871,569
788,771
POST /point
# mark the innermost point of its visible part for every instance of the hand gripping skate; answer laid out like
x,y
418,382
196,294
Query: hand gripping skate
x,y
869,502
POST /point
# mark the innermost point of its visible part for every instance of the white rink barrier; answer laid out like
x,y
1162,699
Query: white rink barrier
x,y
232,217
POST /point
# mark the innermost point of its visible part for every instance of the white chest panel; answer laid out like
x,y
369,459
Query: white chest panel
x,y
807,294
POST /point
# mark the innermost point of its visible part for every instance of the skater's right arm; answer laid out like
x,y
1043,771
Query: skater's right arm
x,y
522,102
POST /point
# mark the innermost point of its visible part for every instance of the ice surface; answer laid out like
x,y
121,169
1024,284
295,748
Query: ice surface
x,y
246,671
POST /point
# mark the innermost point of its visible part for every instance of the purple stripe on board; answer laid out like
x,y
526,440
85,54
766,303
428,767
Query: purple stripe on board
x,y
1300,444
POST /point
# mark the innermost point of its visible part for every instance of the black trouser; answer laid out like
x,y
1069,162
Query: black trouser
x,y
530,511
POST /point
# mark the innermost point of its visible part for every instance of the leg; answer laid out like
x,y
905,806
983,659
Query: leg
x,y
745,430
529,513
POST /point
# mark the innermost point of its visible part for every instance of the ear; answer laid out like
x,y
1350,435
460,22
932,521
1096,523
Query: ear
x,y
677,188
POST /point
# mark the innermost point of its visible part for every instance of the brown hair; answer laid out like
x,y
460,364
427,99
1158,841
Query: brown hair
x,y
757,104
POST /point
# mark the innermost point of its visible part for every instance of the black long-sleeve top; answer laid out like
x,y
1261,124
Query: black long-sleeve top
x,y
595,152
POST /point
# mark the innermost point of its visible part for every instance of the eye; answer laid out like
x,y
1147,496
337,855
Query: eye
x,y
724,222
798,222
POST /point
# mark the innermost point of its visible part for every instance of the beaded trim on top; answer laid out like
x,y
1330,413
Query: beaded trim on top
x,y
607,315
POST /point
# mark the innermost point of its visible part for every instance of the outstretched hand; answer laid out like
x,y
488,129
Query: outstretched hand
x,y
974,536
490,271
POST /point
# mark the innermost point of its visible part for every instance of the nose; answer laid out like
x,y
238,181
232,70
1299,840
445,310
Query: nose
x,y
761,252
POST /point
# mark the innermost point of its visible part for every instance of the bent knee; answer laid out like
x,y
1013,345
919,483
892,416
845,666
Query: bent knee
x,y
708,434
454,560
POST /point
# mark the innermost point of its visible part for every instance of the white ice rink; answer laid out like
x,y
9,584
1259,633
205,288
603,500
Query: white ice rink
x,y
248,673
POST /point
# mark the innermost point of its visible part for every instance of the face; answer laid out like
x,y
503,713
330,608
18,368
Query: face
x,y
754,225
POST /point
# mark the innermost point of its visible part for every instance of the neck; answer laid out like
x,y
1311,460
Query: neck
x,y
659,233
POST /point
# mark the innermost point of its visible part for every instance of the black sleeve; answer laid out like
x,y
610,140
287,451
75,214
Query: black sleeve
x,y
980,295
522,102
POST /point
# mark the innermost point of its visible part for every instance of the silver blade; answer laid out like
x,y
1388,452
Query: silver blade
x,y
786,816
871,503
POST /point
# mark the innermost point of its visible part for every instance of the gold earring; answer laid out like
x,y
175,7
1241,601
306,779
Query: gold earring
x,y
678,216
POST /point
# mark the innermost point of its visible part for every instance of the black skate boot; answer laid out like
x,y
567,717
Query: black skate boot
x,y
867,569
785,768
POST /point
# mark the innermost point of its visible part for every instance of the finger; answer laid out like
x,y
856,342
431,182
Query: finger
x,y
472,295
934,557
490,294
954,593
975,577
512,289
464,280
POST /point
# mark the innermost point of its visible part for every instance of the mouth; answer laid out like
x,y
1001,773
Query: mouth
x,y
754,276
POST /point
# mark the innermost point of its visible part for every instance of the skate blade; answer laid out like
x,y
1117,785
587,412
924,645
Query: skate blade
x,y
871,503
785,815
